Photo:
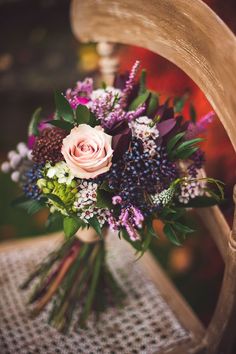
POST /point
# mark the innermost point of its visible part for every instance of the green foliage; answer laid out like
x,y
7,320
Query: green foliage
x,y
63,108
142,82
171,234
192,113
137,245
103,199
54,221
56,200
30,205
138,101
93,122
33,126
105,186
71,225
199,202
61,124
95,225
173,141
152,104
82,114
184,149
97,268
179,103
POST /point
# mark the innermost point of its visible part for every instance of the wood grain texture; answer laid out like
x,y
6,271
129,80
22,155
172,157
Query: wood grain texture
x,y
192,36
186,32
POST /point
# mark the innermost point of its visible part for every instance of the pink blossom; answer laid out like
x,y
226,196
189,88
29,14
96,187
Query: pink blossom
x,y
87,151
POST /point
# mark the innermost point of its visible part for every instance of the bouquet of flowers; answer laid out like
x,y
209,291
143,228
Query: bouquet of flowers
x,y
112,157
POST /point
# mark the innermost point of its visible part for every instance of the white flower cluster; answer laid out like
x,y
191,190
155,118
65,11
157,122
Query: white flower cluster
x,y
16,159
101,214
61,171
102,93
164,197
85,204
190,190
142,129
87,195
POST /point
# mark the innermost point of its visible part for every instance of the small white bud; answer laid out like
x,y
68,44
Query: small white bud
x,y
29,155
5,167
15,160
11,154
23,150
15,176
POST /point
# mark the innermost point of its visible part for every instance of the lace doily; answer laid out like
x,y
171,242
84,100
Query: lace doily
x,y
145,325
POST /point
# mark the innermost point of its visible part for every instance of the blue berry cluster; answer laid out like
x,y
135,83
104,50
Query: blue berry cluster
x,y
138,175
30,187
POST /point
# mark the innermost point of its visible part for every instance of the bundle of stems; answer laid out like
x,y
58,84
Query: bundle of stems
x,y
77,280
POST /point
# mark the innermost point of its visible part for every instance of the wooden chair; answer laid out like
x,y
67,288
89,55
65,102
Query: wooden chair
x,y
190,35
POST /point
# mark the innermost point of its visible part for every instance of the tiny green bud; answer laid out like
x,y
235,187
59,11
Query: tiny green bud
x,y
41,183
73,184
50,185
46,191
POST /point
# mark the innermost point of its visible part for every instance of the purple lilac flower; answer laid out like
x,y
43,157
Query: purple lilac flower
x,y
80,94
108,110
131,218
129,85
200,127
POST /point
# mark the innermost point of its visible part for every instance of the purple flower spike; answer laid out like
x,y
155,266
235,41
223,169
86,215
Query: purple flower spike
x,y
200,127
129,85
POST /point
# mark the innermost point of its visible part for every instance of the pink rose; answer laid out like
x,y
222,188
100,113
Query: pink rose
x,y
87,151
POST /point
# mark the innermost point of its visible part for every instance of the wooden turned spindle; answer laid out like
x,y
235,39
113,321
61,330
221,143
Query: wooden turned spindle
x,y
108,63
233,232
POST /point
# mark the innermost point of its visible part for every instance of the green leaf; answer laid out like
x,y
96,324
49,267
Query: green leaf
x,y
186,153
152,104
93,122
56,200
54,221
96,226
30,205
63,108
61,124
178,107
135,244
192,113
147,236
182,228
179,103
33,126
173,141
187,144
138,101
71,225
92,289
142,82
82,114
199,202
150,228
105,186
103,199
171,234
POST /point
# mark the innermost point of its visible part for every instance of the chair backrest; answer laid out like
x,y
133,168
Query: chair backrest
x,y
192,36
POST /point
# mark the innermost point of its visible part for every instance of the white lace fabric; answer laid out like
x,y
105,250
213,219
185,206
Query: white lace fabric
x,y
143,326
